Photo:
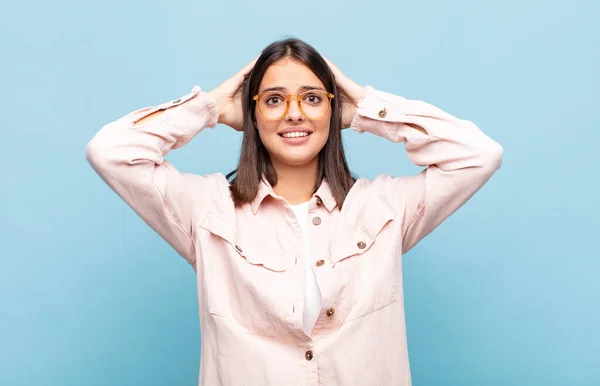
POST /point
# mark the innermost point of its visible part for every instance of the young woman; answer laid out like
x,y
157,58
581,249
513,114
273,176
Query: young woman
x,y
298,265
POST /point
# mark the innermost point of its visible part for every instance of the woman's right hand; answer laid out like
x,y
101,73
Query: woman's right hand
x,y
228,96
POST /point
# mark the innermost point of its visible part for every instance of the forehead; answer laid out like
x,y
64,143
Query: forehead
x,y
291,75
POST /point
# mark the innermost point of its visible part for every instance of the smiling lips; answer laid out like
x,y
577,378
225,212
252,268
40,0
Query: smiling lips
x,y
295,133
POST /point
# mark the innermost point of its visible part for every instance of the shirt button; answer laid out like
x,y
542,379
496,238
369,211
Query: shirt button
x,y
330,312
317,220
382,113
319,201
308,355
320,263
361,244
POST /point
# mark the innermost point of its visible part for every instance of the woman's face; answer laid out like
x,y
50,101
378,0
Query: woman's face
x,y
294,139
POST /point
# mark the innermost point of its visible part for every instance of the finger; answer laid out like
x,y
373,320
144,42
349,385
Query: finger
x,y
248,67
333,67
239,78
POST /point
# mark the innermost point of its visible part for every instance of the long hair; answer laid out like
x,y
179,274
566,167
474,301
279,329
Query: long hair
x,y
255,162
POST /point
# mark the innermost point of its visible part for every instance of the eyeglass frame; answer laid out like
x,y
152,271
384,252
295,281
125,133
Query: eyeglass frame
x,y
288,98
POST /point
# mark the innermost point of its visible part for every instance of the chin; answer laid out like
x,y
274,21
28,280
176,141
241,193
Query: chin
x,y
298,160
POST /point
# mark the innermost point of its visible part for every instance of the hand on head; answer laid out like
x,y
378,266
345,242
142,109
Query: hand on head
x,y
228,96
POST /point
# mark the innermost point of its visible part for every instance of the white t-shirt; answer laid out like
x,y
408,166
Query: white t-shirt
x,y
312,294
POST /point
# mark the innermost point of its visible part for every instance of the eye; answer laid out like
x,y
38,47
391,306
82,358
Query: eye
x,y
273,99
313,98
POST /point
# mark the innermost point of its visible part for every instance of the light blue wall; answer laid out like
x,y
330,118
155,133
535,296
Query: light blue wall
x,y
506,292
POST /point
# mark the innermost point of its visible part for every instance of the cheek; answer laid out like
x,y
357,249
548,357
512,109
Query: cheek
x,y
263,125
266,131
322,127
266,127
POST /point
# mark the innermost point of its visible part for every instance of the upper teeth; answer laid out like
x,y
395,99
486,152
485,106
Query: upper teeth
x,y
295,134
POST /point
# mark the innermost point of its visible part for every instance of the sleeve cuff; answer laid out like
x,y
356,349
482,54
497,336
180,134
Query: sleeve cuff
x,y
387,115
196,103
382,106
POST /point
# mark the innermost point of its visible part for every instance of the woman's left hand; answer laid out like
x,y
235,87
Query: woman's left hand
x,y
350,93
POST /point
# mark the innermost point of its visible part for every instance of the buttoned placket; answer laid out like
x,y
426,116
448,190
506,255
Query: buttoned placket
x,y
306,352
297,272
320,263
318,237
318,232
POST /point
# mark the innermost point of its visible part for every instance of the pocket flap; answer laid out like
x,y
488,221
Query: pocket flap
x,y
360,237
255,255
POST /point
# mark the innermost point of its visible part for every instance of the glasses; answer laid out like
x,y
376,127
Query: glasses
x,y
274,105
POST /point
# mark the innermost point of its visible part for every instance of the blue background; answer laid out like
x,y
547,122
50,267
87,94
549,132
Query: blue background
x,y
506,292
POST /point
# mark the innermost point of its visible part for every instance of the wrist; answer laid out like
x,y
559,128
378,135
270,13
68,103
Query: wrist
x,y
218,105
357,95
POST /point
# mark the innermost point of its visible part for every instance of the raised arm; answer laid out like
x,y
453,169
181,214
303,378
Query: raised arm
x,y
459,158
129,154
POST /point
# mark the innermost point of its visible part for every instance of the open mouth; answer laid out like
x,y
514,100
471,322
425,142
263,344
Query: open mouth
x,y
295,134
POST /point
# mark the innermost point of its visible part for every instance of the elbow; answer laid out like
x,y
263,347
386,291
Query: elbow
x,y
93,152
97,152
491,156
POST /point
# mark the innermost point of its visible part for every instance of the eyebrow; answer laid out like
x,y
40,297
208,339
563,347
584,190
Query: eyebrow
x,y
302,88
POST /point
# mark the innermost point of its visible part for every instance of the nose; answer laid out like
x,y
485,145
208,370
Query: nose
x,y
294,113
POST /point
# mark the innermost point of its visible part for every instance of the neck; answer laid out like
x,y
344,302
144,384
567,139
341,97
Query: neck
x,y
296,183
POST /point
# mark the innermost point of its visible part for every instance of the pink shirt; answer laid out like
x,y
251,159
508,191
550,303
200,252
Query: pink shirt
x,y
248,259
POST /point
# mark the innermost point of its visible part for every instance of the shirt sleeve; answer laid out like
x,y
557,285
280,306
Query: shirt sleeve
x,y
131,160
458,159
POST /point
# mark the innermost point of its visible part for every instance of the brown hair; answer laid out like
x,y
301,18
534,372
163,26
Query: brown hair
x,y
254,159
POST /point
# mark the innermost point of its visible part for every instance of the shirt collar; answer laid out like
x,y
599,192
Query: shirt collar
x,y
323,195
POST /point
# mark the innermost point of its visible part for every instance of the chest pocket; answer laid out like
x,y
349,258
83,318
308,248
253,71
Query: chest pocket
x,y
245,246
243,279
365,256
